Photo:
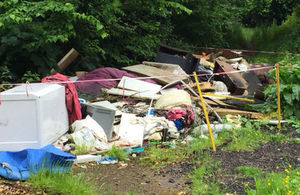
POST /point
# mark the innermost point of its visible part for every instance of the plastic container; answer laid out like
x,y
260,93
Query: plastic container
x,y
104,113
34,118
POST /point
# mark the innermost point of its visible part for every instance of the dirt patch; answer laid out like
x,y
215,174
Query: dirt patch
x,y
136,178
20,188
266,157
287,129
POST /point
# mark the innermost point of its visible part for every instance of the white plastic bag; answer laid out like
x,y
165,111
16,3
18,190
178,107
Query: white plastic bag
x,y
91,124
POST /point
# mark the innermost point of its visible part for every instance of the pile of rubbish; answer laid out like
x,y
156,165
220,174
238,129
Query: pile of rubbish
x,y
94,111
158,100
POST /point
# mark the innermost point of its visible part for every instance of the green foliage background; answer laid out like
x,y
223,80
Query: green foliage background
x,y
35,34
289,89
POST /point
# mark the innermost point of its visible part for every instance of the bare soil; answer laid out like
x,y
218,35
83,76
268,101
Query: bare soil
x,y
266,157
173,179
139,179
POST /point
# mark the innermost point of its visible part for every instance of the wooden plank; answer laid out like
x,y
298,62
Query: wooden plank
x,y
204,86
139,85
224,111
66,60
213,102
174,68
164,76
128,93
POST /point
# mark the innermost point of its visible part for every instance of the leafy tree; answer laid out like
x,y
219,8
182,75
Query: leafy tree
x,y
261,12
34,34
208,23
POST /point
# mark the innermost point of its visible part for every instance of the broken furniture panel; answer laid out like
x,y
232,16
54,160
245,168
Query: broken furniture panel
x,y
172,55
235,83
139,86
66,60
128,93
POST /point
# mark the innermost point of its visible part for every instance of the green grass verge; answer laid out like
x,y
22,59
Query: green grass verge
x,y
249,136
249,171
118,153
277,183
203,178
287,182
159,155
61,183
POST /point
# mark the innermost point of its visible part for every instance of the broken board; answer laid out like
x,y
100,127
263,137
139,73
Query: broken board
x,y
161,76
128,93
235,83
174,68
139,86
224,111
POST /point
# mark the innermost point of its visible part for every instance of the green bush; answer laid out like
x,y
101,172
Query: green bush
x,y
35,34
289,75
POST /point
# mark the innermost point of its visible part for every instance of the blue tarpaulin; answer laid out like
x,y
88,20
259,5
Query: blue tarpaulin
x,y
19,165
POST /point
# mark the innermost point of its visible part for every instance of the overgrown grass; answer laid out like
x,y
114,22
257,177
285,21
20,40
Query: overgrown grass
x,y
82,149
249,136
203,178
61,183
249,171
118,153
246,138
160,155
287,182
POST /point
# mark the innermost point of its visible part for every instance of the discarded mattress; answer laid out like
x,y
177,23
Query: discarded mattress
x,y
19,165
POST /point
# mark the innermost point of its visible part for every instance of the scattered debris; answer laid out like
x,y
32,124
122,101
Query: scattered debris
x,y
121,109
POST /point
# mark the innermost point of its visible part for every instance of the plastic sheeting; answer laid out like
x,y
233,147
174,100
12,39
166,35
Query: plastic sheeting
x,y
19,165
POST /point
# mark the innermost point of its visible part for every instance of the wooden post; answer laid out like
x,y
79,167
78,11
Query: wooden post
x,y
278,97
66,60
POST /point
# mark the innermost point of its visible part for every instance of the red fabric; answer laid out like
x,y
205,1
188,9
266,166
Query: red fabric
x,y
176,114
191,115
72,102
